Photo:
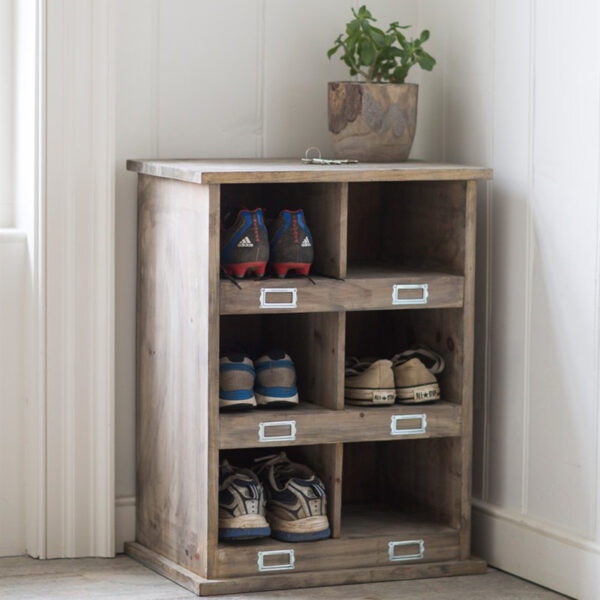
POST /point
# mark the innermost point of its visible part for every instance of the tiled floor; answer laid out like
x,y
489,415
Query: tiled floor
x,y
122,578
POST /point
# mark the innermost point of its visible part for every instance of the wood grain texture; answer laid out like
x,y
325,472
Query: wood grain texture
x,y
281,581
378,485
370,548
294,171
364,288
373,122
418,225
468,342
177,334
319,425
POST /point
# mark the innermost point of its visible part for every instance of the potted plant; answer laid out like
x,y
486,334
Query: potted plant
x,y
375,120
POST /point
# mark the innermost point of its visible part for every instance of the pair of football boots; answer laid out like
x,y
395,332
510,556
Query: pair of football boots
x,y
247,245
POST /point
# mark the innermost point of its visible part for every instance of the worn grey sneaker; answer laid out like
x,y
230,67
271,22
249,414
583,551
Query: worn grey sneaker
x,y
415,373
241,504
275,380
236,382
369,382
296,499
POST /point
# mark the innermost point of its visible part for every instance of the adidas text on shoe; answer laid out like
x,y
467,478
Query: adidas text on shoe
x,y
291,244
245,245
275,380
414,374
296,500
241,504
369,382
236,382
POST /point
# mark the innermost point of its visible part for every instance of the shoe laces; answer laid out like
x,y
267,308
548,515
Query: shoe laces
x,y
354,365
280,469
264,462
433,361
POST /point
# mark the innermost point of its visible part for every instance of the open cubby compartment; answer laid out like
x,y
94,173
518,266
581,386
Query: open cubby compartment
x,y
382,334
324,459
324,206
314,341
407,226
401,489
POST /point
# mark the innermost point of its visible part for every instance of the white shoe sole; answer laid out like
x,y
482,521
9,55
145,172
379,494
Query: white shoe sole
x,y
306,525
368,396
275,401
419,393
252,521
237,403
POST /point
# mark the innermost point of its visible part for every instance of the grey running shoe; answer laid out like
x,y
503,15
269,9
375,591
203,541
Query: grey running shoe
x,y
296,500
241,504
275,380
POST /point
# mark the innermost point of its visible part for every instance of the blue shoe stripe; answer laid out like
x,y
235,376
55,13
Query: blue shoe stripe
x,y
274,364
302,224
277,392
226,252
236,367
239,533
286,536
235,394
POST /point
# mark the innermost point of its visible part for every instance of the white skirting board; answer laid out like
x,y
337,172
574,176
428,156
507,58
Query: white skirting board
x,y
124,522
536,551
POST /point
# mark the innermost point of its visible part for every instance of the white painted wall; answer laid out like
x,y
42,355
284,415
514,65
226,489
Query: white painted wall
x,y
7,75
514,100
13,256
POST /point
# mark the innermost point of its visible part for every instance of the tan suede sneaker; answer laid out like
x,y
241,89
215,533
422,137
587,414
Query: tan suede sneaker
x,y
414,374
369,382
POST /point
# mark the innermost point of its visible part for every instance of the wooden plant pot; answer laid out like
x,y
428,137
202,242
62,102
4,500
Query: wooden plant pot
x,y
373,122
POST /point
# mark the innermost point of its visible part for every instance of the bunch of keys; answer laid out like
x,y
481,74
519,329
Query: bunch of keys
x,y
318,160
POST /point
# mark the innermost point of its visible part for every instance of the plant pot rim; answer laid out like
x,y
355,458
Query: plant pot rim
x,y
374,83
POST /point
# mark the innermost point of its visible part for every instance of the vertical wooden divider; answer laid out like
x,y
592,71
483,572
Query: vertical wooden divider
x,y
177,371
214,263
468,351
326,208
327,216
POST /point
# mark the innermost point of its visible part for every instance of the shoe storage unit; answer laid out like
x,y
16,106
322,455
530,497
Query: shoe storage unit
x,y
394,265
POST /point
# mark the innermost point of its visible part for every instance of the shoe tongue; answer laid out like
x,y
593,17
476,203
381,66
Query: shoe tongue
x,y
225,469
236,357
276,354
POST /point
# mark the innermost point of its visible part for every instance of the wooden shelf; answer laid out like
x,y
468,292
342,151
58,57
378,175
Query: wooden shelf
x,y
313,424
366,534
295,171
364,288
386,238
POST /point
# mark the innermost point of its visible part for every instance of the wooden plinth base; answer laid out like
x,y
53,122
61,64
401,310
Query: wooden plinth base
x,y
207,587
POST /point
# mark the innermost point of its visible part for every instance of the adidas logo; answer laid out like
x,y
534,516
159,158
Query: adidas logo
x,y
246,243
305,243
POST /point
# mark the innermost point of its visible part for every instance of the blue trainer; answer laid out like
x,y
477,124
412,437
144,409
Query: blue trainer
x,y
236,382
275,380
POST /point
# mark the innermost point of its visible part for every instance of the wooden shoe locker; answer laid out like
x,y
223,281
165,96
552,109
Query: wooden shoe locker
x,y
394,265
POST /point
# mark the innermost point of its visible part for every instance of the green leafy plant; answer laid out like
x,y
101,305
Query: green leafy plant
x,y
377,55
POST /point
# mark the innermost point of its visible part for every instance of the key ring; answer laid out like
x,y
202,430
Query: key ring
x,y
318,160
